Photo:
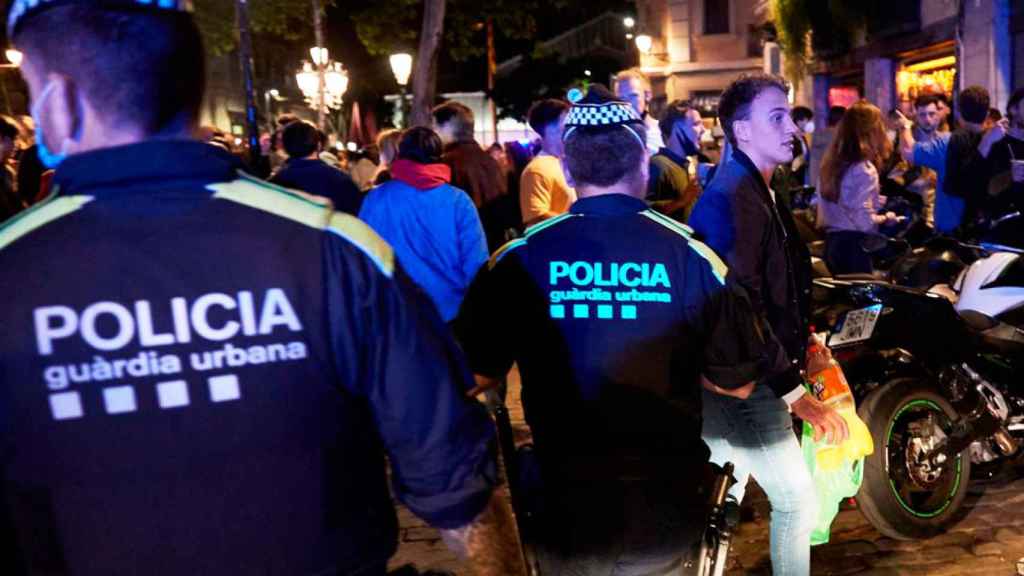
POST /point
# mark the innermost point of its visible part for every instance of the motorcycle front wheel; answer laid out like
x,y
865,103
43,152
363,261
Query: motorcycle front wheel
x,y
908,492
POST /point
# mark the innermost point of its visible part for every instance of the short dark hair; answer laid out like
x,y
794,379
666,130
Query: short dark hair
x,y
544,113
139,67
835,115
925,100
300,139
674,112
421,145
8,129
286,119
994,115
800,113
604,157
458,113
737,97
974,103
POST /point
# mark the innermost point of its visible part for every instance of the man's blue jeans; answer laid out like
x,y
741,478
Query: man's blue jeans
x,y
756,435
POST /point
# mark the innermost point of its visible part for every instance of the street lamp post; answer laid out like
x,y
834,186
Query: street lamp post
x,y
401,66
324,87
320,59
644,43
270,96
245,56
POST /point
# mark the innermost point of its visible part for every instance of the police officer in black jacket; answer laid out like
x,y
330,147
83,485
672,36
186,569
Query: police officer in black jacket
x,y
201,373
615,315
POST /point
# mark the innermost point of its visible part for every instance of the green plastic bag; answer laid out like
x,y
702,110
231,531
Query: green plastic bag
x,y
830,487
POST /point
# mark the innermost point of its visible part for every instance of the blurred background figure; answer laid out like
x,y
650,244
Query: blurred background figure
x,y
850,188
543,190
305,171
387,145
10,202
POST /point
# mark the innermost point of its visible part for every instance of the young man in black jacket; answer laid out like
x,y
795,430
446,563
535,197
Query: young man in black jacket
x,y
740,217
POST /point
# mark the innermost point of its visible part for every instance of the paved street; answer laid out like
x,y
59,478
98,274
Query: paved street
x,y
987,541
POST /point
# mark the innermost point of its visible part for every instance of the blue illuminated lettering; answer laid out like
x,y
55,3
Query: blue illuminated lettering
x,y
583,279
658,277
637,278
559,270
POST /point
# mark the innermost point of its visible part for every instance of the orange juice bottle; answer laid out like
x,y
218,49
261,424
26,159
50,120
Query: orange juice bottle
x,y
831,387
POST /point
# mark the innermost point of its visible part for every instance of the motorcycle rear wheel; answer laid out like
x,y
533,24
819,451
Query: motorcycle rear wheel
x,y
901,496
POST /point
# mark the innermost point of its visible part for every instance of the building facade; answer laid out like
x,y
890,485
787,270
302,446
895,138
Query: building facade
x,y
699,46
924,46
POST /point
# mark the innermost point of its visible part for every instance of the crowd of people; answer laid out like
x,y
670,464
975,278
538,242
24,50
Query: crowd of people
x,y
214,367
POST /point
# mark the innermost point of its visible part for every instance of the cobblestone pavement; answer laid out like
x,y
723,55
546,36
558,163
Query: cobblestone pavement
x,y
987,541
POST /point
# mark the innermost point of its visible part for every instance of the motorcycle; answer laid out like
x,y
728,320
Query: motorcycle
x,y
933,371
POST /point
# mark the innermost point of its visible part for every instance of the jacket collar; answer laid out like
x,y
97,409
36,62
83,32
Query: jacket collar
x,y
304,162
743,160
144,165
667,153
421,176
608,205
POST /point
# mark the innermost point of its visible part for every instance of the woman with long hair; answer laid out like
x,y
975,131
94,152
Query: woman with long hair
x,y
849,188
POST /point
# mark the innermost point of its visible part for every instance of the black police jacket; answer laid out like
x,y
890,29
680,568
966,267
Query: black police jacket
x,y
612,312
201,373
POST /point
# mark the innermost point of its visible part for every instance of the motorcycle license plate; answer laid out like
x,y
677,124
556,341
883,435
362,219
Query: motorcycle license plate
x,y
855,326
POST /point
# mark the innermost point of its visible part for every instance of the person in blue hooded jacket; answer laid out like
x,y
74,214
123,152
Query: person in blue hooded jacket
x,y
432,225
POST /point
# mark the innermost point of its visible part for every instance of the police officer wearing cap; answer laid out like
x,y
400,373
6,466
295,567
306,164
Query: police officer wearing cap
x,y
615,316
201,373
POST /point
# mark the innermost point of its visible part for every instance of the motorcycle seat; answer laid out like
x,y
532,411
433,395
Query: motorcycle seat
x,y
977,321
997,336
861,277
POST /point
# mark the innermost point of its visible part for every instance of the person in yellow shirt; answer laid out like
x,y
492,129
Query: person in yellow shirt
x,y
543,190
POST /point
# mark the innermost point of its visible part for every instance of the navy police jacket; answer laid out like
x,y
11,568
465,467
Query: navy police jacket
x,y
612,312
201,373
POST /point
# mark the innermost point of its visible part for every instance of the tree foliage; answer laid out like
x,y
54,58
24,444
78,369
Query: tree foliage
x,y
807,28
387,26
546,75
281,20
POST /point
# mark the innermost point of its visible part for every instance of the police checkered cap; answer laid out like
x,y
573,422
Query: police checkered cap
x,y
22,10
598,110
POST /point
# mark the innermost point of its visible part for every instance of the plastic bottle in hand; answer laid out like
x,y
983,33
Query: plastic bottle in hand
x,y
830,386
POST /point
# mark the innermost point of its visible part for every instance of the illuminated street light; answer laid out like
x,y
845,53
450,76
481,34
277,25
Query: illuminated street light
x,y
319,55
628,22
401,66
644,43
335,84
